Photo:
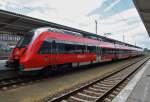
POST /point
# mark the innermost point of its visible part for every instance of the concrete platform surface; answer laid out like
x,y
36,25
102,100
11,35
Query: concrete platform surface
x,y
138,89
141,92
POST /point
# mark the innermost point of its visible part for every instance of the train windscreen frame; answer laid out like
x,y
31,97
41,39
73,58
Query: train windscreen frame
x,y
25,40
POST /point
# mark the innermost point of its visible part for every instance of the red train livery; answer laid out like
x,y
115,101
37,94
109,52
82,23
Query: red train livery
x,y
48,47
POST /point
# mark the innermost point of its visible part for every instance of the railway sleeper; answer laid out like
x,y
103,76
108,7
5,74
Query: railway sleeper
x,y
107,85
103,85
107,100
97,90
110,82
118,89
121,86
111,96
92,92
85,97
64,101
76,99
115,92
108,79
100,87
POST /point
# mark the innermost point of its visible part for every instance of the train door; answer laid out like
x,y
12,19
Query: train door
x,y
53,53
98,59
104,54
44,53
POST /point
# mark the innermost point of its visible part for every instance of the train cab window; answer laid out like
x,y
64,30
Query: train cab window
x,y
25,40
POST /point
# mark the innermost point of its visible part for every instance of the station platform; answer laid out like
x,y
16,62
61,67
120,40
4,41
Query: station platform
x,y
2,65
138,89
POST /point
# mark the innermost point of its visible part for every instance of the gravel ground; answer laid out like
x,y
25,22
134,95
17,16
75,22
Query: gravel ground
x,y
51,86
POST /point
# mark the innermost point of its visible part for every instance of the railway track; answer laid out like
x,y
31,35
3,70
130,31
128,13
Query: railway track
x,y
101,90
18,81
15,82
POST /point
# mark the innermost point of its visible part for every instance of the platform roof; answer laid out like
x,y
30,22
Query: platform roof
x,y
143,7
20,24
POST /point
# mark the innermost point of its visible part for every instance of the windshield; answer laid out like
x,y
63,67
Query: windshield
x,y
31,36
25,40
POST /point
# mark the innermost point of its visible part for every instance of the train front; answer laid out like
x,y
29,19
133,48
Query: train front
x,y
19,50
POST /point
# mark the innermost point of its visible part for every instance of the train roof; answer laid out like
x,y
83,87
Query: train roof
x,y
105,42
71,39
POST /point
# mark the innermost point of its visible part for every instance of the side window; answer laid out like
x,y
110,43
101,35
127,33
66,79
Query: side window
x,y
91,49
61,48
104,51
70,48
107,51
117,51
80,49
45,48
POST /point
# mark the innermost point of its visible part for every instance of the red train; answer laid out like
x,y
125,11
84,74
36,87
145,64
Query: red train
x,y
49,47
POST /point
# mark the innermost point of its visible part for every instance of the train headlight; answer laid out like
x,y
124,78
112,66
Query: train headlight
x,y
17,53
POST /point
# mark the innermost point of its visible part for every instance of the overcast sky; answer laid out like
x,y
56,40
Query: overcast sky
x,y
118,17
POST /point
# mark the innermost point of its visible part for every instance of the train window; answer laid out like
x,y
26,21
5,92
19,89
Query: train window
x,y
60,48
80,49
91,49
69,48
65,47
121,51
107,51
45,48
117,51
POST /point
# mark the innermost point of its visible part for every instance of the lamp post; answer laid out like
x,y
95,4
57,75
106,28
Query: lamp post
x,y
123,38
96,26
